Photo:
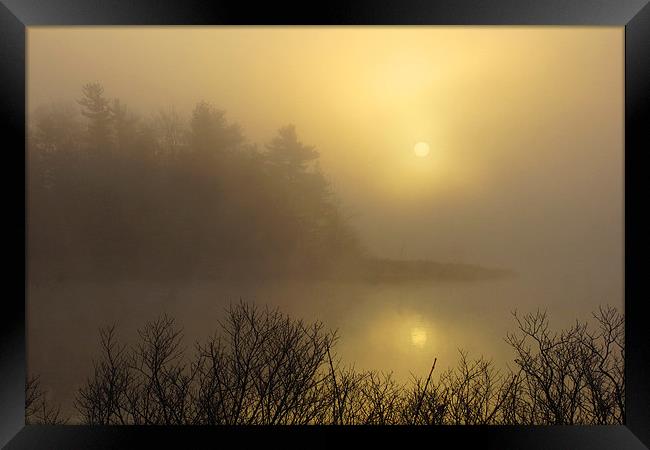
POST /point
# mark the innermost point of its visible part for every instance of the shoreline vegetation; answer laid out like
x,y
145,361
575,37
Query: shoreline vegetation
x,y
113,195
262,367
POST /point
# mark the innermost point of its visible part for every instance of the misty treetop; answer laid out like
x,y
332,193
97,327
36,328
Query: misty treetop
x,y
112,194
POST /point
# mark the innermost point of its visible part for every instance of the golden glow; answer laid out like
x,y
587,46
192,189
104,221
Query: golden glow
x,y
421,149
418,336
401,332
357,93
504,110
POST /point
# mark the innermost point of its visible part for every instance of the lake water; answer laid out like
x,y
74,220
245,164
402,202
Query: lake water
x,y
398,328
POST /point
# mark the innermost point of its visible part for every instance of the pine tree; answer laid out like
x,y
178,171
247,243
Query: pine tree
x,y
96,108
288,154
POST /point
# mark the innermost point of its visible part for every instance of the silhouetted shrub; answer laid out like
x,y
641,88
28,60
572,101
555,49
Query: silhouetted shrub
x,y
262,367
37,408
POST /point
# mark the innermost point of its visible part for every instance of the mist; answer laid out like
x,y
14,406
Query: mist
x,y
525,124
518,205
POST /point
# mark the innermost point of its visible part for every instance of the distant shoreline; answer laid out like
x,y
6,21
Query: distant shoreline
x,y
365,270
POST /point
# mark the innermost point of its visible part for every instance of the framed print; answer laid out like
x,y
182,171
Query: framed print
x,y
370,220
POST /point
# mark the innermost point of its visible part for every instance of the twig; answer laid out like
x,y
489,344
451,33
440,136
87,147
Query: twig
x,y
426,385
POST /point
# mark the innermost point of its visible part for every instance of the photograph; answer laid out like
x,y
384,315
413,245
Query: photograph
x,y
325,225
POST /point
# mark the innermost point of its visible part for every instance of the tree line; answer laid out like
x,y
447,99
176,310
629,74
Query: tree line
x,y
264,367
112,194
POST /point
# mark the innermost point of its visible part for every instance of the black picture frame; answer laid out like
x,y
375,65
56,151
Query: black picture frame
x,y
634,15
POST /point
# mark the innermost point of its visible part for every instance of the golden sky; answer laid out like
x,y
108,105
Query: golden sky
x,y
525,124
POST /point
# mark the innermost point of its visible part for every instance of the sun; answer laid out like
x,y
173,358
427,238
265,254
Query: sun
x,y
421,149
418,336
